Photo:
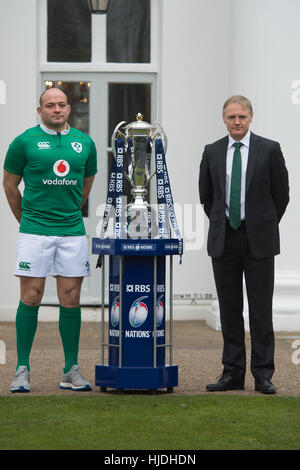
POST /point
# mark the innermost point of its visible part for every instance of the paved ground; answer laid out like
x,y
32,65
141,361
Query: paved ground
x,y
197,352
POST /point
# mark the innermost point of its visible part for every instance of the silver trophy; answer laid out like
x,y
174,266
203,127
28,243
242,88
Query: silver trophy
x,y
139,137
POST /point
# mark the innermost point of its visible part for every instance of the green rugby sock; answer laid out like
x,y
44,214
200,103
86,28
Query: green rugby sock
x,y
69,328
26,324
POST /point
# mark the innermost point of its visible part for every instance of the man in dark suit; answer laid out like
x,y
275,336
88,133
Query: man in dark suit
x,y
244,189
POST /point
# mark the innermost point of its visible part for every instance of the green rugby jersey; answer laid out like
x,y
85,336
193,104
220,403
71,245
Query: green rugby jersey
x,y
53,166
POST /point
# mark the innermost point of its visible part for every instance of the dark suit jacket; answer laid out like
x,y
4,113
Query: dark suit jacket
x,y
267,195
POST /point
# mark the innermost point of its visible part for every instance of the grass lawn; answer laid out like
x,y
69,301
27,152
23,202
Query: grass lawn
x,y
149,422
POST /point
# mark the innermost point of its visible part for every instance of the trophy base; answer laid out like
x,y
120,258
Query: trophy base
x,y
135,378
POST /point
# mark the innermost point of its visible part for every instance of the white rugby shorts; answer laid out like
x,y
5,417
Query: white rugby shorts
x,y
43,255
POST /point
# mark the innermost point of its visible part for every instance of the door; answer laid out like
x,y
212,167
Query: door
x,y
99,101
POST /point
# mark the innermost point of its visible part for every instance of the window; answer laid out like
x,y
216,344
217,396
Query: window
x,y
69,31
125,101
70,38
108,66
128,31
78,94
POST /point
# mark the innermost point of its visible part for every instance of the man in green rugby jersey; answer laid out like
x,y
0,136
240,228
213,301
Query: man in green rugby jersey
x,y
58,165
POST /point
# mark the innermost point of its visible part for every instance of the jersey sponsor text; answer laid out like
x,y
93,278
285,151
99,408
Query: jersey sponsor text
x,y
60,182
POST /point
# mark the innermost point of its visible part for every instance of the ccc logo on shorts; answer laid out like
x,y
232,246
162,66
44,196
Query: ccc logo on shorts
x,y
24,265
61,167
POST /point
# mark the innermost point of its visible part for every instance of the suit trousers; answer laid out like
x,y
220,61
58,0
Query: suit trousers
x,y
236,262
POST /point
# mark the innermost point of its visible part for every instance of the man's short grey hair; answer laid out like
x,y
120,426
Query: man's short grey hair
x,y
240,99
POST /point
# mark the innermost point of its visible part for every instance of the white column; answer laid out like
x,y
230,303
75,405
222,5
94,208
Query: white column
x,y
98,39
265,67
18,102
194,85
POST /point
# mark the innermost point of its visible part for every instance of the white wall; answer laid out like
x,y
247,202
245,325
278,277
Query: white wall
x,y
209,51
213,50
194,82
18,69
265,64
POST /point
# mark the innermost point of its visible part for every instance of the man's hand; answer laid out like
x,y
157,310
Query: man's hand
x,y
87,186
13,195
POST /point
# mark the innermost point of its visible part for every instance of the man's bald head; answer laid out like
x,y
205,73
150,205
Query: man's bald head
x,y
54,109
52,92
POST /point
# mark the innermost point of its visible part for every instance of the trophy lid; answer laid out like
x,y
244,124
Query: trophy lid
x,y
139,127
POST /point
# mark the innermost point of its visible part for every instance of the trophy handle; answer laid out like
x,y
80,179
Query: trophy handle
x,y
113,137
160,132
113,147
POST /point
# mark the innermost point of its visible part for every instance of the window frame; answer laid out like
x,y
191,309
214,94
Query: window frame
x,y
128,72
98,62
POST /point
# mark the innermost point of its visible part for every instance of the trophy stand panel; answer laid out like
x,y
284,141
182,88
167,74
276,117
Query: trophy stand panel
x,y
139,300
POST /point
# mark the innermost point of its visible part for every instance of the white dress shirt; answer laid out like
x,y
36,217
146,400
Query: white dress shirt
x,y
51,131
229,159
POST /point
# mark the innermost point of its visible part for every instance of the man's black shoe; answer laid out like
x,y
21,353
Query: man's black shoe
x,y
265,386
226,382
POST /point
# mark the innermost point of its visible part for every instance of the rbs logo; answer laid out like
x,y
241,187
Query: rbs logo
x,y
138,288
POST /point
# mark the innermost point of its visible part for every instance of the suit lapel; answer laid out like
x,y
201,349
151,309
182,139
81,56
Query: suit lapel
x,y
222,154
254,149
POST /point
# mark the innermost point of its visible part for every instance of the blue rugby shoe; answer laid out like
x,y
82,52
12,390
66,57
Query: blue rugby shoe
x,y
21,380
74,380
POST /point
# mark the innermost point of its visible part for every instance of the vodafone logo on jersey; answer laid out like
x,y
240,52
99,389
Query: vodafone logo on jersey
x,y
61,168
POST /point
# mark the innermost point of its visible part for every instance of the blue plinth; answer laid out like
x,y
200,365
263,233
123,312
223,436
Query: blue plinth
x,y
145,378
137,305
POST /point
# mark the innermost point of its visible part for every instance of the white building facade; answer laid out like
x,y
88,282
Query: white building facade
x,y
200,54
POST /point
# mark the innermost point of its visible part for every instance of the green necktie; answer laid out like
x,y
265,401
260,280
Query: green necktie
x,y
235,188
